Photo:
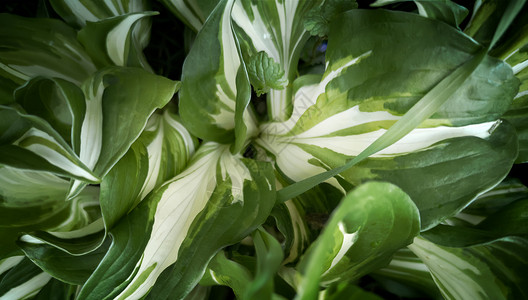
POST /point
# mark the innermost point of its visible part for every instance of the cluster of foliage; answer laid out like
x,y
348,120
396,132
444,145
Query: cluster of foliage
x,y
311,149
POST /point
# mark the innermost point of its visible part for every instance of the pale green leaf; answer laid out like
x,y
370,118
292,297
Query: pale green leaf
x,y
370,224
226,272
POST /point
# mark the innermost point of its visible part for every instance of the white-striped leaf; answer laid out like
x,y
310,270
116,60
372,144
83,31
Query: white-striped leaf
x,y
126,35
368,86
277,29
81,232
169,146
29,142
59,102
113,41
160,153
214,97
41,47
119,102
22,280
216,201
494,271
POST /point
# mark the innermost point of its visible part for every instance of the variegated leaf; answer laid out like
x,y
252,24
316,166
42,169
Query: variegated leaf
x,y
277,29
218,196
41,47
212,90
368,86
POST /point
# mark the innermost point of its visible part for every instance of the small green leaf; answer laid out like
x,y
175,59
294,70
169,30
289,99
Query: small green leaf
x,y
229,273
264,73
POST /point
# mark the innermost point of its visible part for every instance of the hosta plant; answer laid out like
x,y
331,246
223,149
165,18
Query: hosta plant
x,y
310,149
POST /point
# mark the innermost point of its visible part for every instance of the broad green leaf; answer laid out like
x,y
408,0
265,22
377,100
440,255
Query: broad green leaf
x,y
493,216
121,187
443,10
119,102
269,258
264,73
192,12
226,272
128,242
210,92
494,271
367,104
370,224
41,47
22,280
216,201
505,193
29,142
410,272
276,28
112,42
